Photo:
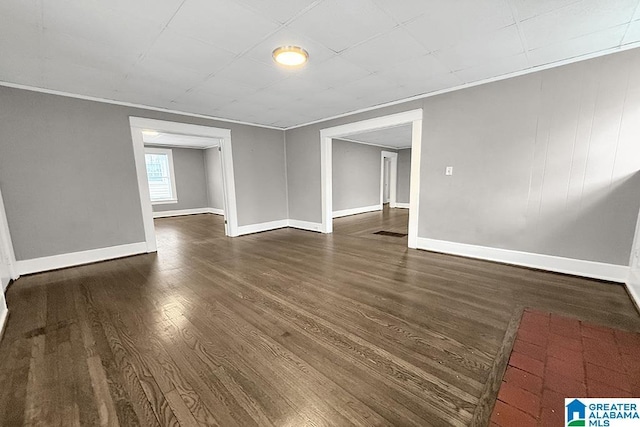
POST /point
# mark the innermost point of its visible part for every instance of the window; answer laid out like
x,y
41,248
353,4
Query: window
x,y
162,182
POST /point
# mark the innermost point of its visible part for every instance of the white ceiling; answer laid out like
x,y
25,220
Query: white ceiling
x,y
174,140
395,137
213,57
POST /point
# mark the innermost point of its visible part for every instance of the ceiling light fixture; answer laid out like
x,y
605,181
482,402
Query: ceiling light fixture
x,y
290,56
150,132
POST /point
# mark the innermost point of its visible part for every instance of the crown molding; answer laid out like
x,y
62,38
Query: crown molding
x,y
130,104
530,70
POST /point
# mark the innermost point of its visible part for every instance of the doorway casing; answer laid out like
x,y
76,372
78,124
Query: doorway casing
x,y
413,117
7,255
393,177
633,281
138,124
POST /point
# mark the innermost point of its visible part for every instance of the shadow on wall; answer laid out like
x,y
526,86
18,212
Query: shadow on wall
x,y
600,227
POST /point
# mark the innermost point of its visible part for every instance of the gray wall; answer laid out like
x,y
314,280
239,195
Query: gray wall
x,y
404,175
544,163
191,180
68,176
356,175
215,192
259,169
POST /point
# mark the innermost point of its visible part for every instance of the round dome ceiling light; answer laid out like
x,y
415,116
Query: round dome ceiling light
x,y
290,56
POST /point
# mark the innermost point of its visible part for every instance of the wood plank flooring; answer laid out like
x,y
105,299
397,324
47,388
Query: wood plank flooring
x,y
283,328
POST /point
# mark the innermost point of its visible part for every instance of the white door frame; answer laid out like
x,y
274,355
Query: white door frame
x,y
393,177
633,281
634,261
7,255
415,118
138,124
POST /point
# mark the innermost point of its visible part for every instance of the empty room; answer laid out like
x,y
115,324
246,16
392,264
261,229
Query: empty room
x,y
320,213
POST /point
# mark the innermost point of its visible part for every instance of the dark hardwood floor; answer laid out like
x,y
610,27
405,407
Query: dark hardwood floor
x,y
283,328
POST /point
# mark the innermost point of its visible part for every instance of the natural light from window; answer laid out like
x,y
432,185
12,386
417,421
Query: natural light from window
x,y
162,187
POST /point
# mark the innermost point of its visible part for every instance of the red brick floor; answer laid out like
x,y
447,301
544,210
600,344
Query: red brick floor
x,y
555,357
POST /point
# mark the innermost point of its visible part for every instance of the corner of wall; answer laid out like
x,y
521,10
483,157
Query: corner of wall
x,y
286,172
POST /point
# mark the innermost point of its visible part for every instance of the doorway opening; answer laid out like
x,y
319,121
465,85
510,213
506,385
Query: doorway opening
x,y
156,146
410,123
388,178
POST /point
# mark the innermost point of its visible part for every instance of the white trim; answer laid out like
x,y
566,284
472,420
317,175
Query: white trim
x,y
402,205
388,147
181,212
6,245
633,281
382,122
138,124
355,211
476,83
178,128
228,187
282,223
305,225
634,258
143,188
595,270
633,286
4,315
264,226
72,259
172,174
130,104
214,143
326,180
165,202
414,183
393,177
216,211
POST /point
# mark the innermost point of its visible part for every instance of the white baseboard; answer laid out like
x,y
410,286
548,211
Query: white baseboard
x,y
264,226
595,270
305,225
274,225
633,286
401,205
355,211
55,262
4,314
180,212
5,283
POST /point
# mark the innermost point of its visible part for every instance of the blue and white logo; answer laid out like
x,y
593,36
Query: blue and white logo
x,y
576,411
602,412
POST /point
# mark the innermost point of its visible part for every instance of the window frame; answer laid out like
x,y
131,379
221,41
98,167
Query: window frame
x,y
172,175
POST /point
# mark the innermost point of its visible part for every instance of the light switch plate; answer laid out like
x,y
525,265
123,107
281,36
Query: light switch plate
x,y
448,171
